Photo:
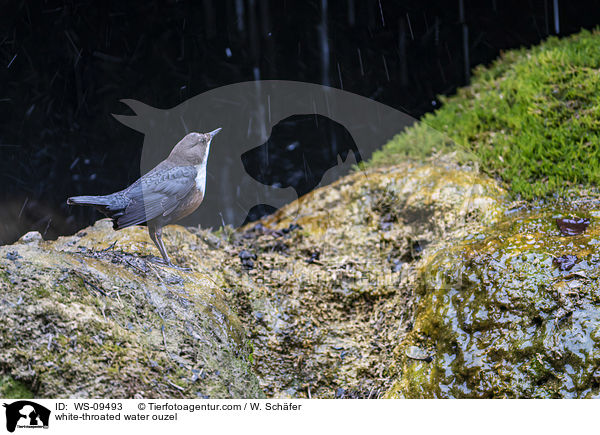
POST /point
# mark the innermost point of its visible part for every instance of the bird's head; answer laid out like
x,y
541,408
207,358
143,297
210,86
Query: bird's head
x,y
193,148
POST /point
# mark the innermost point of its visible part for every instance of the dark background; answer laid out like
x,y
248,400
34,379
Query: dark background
x,y
64,66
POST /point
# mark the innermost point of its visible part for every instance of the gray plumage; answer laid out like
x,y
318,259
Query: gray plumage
x,y
167,193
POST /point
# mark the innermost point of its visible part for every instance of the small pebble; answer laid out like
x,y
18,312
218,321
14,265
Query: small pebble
x,y
314,257
565,262
31,237
572,226
13,255
247,258
414,352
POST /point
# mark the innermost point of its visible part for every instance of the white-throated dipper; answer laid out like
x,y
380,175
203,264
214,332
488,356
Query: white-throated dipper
x,y
169,192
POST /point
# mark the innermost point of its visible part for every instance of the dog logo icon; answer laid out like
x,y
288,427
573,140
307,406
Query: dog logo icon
x,y
26,414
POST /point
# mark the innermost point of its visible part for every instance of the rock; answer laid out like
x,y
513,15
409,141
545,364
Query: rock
x,y
565,262
12,255
329,322
32,237
572,226
414,352
503,319
82,319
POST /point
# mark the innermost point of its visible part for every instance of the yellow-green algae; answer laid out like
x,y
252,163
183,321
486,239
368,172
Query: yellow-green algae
x,y
85,318
500,319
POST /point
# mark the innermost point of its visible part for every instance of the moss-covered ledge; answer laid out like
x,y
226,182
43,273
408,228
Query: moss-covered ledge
x,y
415,280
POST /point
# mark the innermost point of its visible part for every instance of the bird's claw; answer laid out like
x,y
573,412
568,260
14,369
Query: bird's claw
x,y
162,262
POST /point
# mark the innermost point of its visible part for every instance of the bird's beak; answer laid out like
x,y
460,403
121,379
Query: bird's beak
x,y
214,132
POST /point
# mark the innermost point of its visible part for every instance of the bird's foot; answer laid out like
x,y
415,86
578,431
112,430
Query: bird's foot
x,y
162,262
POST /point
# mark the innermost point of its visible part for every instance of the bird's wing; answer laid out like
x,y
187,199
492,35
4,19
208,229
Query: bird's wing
x,y
157,193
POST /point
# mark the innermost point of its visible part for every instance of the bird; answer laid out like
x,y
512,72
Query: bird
x,y
170,191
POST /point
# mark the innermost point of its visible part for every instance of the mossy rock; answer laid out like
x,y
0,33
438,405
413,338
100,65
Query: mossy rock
x,y
324,302
417,280
83,318
498,316
531,119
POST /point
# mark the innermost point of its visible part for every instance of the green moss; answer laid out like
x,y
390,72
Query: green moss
x,y
4,276
41,292
531,118
13,389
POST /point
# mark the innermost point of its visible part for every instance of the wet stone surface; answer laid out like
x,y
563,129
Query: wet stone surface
x,y
325,314
512,313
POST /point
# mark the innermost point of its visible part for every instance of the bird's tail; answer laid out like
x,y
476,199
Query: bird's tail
x,y
97,201
112,206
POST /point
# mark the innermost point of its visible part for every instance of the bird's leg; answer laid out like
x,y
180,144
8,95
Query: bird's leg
x,y
156,236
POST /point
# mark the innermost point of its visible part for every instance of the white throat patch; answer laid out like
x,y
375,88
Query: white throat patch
x,y
201,175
